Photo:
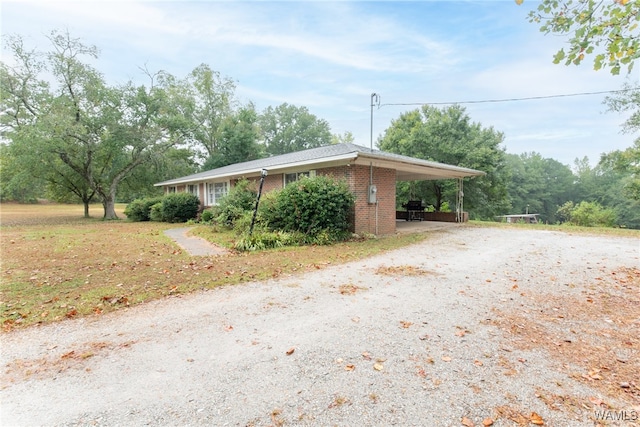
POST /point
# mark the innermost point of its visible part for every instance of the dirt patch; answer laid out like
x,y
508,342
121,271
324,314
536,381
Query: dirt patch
x,y
488,337
593,336
404,270
56,361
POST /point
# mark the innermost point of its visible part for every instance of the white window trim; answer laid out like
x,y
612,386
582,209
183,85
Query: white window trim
x,y
197,193
210,194
309,173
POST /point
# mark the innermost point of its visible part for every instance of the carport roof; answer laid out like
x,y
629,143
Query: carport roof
x,y
407,168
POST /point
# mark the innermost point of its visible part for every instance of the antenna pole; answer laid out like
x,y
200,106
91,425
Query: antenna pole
x,y
375,100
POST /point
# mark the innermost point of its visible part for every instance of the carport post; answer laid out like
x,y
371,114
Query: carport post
x,y
460,201
263,174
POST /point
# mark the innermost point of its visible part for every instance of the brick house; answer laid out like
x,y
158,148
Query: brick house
x,y
370,174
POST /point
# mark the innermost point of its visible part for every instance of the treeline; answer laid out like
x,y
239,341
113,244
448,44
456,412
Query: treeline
x,y
69,136
518,184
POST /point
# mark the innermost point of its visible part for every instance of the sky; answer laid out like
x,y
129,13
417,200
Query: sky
x,y
332,56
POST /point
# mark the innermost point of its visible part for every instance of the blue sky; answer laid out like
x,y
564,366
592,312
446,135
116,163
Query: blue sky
x,y
331,56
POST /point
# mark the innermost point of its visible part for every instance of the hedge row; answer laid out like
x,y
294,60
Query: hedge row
x,y
175,207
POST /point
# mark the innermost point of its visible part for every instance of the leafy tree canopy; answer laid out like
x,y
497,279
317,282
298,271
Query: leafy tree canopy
x,y
538,185
449,136
238,139
607,29
63,119
288,128
627,161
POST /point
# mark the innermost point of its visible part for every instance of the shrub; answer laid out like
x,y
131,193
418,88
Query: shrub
x,y
564,212
207,215
179,207
241,199
264,240
155,214
311,206
592,214
586,214
140,209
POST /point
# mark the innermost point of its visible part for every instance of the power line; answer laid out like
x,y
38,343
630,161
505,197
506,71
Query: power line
x,y
530,98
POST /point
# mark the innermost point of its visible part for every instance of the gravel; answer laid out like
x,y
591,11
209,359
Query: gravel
x,y
399,349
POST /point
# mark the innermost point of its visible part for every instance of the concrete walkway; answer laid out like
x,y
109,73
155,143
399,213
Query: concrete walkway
x,y
195,246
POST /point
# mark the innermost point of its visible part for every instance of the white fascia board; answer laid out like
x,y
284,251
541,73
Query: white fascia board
x,y
437,170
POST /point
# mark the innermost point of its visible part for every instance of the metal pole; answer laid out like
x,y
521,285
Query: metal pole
x,y
375,98
263,174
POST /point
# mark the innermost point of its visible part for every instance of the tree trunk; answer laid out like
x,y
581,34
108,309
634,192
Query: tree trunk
x,y
109,204
437,189
86,208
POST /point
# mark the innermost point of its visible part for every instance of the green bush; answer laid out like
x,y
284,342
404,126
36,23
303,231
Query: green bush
x,y
155,214
140,209
592,214
261,240
586,214
179,207
207,215
319,206
241,199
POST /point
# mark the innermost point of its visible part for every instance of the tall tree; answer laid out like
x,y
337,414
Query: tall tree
x,y
539,185
214,102
448,136
288,128
239,134
607,29
140,182
628,161
16,183
100,133
345,138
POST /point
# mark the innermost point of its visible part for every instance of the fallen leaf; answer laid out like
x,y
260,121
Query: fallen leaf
x,y
378,366
349,367
478,362
405,324
290,351
595,400
487,422
446,358
366,355
228,328
467,422
461,333
536,419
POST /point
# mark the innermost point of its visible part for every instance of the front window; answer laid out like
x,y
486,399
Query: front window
x,y
293,177
193,189
216,191
171,189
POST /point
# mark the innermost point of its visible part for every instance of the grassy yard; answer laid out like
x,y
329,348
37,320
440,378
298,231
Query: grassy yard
x,y
596,231
57,264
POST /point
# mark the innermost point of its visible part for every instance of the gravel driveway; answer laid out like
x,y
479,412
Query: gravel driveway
x,y
404,338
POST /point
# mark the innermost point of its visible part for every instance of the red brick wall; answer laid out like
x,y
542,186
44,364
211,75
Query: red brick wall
x,y
357,177
271,182
365,212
